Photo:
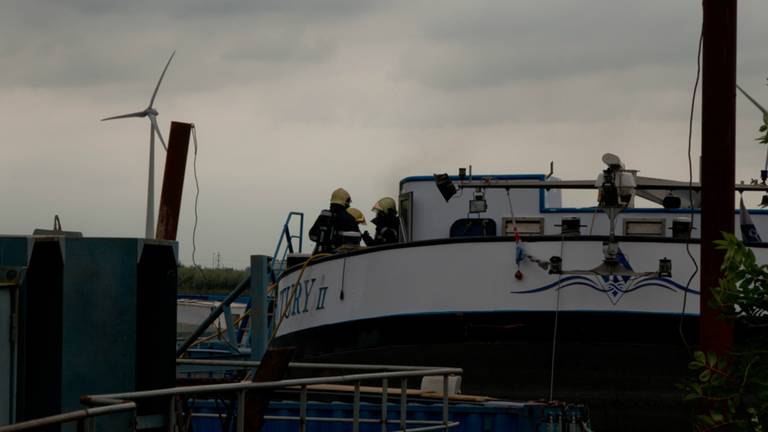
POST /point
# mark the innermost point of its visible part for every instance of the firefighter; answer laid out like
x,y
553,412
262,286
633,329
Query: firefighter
x,y
351,240
387,223
358,215
334,227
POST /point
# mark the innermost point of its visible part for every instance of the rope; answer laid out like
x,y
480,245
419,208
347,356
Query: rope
x,y
554,334
197,194
512,213
271,288
292,295
343,274
690,195
219,333
594,216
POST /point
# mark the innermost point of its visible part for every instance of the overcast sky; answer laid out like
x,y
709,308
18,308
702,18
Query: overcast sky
x,y
295,98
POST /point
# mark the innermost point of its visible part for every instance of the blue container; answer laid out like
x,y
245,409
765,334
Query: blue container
x,y
487,417
14,252
96,315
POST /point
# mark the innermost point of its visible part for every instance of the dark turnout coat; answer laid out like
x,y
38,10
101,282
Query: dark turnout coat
x,y
328,229
387,230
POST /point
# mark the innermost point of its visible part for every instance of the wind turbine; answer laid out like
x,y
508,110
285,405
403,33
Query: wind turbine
x,y
762,139
152,114
756,103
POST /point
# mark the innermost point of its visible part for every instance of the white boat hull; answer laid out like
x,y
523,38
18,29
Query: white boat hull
x,y
479,276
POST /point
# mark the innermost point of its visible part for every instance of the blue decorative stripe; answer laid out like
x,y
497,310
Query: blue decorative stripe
x,y
617,285
674,285
560,282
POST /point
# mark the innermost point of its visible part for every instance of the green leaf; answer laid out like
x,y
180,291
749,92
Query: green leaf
x,y
691,396
722,363
717,416
711,359
705,420
697,388
699,357
705,375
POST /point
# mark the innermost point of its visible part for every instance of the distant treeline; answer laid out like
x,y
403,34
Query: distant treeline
x,y
201,280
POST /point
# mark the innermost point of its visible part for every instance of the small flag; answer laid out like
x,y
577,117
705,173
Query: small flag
x,y
519,254
749,233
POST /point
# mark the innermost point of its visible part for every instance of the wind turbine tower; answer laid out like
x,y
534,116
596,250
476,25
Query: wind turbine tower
x,y
151,113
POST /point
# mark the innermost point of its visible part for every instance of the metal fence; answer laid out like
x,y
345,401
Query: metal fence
x,y
121,402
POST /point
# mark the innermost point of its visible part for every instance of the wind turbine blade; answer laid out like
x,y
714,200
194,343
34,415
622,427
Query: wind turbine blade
x,y
136,114
756,103
157,87
157,130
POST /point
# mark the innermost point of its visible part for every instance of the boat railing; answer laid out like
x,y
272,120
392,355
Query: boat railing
x,y
120,402
281,251
83,417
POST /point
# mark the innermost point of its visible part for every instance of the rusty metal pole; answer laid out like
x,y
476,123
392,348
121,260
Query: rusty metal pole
x,y
173,181
718,164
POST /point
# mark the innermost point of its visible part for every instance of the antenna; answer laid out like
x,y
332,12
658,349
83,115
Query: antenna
x,y
154,129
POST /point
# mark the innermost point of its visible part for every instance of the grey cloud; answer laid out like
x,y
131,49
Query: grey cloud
x,y
202,8
280,45
72,43
325,9
501,42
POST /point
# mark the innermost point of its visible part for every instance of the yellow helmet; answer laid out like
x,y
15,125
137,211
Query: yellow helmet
x,y
357,214
341,197
384,205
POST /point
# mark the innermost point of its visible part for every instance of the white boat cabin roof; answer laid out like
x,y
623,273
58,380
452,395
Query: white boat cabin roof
x,y
427,216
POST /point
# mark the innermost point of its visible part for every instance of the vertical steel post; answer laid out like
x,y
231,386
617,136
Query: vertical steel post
x,y
85,424
259,283
718,159
241,411
231,338
403,402
384,394
173,181
301,232
356,408
445,402
172,414
303,409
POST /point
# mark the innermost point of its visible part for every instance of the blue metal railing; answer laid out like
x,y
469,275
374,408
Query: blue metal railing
x,y
282,251
277,266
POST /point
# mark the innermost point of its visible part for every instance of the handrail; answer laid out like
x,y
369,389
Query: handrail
x,y
214,388
120,402
241,388
120,406
285,234
643,183
300,365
